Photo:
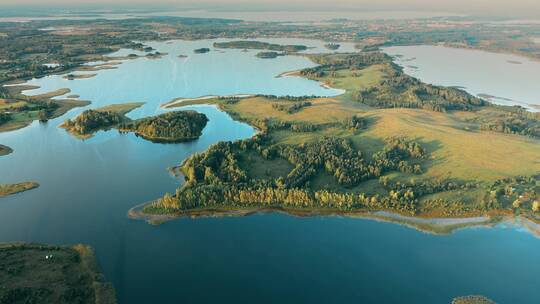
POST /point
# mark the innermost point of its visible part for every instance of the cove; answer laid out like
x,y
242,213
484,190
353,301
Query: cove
x,y
88,186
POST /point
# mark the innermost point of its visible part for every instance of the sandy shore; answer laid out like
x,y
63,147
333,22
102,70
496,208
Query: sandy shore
x,y
175,102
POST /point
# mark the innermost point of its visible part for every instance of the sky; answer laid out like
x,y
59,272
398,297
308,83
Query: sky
x,y
529,8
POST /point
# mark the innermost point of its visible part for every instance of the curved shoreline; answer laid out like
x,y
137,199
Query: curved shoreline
x,y
179,100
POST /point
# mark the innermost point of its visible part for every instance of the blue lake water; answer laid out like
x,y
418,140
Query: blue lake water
x,y
88,186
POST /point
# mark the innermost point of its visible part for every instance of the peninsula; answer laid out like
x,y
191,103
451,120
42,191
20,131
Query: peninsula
x,y
390,143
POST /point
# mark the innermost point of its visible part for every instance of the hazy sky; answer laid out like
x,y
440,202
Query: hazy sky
x,y
526,7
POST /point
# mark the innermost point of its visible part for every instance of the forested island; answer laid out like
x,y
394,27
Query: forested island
x,y
259,45
91,121
269,55
33,273
341,155
201,51
177,126
174,126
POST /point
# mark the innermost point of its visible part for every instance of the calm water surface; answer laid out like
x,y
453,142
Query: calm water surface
x,y
507,79
88,186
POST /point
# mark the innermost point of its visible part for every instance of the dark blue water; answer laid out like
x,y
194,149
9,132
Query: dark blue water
x,y
88,186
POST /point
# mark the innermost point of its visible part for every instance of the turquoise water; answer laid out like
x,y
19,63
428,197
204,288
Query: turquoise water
x,y
88,186
506,79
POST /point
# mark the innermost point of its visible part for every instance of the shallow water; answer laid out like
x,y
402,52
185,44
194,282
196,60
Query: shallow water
x,y
508,79
88,186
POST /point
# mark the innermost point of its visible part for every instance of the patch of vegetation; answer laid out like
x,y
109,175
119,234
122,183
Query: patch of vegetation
x,y
17,110
32,273
91,121
174,126
201,51
332,46
472,300
5,150
258,45
269,55
10,189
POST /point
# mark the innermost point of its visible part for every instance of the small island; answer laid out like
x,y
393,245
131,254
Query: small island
x,y
332,46
10,189
472,300
269,55
201,51
177,126
5,150
33,273
258,45
78,76
90,121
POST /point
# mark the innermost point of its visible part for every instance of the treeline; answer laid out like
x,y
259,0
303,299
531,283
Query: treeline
x,y
92,120
4,118
329,63
269,55
259,45
520,122
291,108
168,127
289,97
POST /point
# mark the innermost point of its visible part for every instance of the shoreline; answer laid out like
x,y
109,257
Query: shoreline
x,y
179,100
432,225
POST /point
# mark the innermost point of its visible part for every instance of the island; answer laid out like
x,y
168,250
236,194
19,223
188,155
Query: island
x,y
5,150
78,76
390,147
201,51
90,121
269,55
34,273
10,189
177,126
472,300
332,46
258,45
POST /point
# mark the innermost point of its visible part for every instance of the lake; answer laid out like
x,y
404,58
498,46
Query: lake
x,y
88,186
506,79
